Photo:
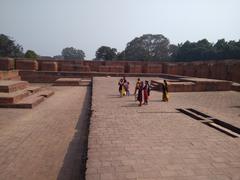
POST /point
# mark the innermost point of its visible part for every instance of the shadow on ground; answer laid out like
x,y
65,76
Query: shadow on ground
x,y
74,164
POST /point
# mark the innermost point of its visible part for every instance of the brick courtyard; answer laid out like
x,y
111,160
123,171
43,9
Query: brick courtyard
x,y
44,143
125,141
157,141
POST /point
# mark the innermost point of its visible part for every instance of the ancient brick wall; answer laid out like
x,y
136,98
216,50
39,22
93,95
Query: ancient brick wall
x,y
226,70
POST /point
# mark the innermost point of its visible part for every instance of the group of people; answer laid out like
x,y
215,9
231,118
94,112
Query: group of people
x,y
142,90
123,87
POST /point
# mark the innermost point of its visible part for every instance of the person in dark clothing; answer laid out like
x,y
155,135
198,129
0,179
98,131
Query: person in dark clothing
x,y
165,91
140,94
146,92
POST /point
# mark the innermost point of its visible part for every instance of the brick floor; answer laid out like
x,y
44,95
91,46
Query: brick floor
x,y
156,141
44,143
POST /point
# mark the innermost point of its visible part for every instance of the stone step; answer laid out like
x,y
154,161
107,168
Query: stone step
x,y
45,93
33,89
13,97
85,82
67,82
12,86
28,102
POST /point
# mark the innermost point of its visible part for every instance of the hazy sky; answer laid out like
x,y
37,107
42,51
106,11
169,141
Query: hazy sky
x,y
47,26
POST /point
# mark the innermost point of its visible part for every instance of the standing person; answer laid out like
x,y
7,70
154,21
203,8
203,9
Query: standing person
x,y
140,94
120,84
165,91
126,86
146,92
136,88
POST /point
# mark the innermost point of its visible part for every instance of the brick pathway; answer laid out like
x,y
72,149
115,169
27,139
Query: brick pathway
x,y
44,143
156,141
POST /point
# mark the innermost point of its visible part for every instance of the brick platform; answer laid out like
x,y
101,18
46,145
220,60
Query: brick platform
x,y
18,94
9,75
188,84
156,141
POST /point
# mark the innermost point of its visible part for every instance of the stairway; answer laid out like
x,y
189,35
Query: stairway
x,y
19,94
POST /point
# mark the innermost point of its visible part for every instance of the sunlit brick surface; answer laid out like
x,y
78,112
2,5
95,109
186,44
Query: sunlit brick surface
x,y
156,141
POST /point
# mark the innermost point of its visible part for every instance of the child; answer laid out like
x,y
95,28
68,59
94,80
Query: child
x,y
126,86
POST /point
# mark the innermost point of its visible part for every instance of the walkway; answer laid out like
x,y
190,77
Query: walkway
x,y
127,142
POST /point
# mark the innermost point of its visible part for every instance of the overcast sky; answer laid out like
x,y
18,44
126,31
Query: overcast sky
x,y
47,26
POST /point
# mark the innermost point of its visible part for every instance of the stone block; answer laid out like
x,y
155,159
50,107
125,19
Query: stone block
x,y
7,64
27,64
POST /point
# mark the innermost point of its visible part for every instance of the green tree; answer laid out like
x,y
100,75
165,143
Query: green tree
x,y
8,47
73,53
106,53
148,47
30,54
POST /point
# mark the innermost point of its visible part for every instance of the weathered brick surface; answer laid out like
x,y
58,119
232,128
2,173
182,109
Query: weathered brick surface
x,y
158,142
176,69
135,68
9,75
117,69
189,69
45,143
48,66
154,68
202,70
26,64
234,72
218,70
7,63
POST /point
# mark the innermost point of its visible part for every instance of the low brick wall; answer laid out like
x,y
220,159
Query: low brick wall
x,y
48,66
134,68
114,69
225,70
27,65
7,64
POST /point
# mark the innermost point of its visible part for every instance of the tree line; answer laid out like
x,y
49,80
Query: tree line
x,y
148,47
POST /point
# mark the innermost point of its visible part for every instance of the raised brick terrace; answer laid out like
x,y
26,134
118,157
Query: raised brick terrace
x,y
157,141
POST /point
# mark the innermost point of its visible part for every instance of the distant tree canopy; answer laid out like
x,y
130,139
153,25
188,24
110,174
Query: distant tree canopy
x,y
106,53
147,47
73,53
30,54
204,50
8,47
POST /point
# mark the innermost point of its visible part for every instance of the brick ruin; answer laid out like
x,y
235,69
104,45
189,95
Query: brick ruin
x,y
49,70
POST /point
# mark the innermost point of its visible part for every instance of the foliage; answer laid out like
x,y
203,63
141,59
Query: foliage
x,y
106,53
148,47
73,53
30,54
204,50
8,47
